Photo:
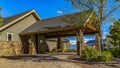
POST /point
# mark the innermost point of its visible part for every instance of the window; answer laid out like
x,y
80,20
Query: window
x,y
9,36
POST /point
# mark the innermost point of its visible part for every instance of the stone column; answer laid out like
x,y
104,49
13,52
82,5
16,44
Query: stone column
x,y
33,44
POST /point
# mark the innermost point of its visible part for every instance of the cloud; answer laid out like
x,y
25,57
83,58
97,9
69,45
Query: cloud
x,y
85,40
73,42
60,12
104,34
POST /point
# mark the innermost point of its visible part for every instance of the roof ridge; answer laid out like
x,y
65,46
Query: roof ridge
x,y
67,14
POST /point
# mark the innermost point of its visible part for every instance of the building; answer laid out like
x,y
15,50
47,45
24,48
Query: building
x,y
34,32
14,25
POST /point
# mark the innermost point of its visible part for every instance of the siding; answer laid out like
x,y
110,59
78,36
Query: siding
x,y
18,27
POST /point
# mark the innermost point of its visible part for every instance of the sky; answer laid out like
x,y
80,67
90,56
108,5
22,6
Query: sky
x,y
45,9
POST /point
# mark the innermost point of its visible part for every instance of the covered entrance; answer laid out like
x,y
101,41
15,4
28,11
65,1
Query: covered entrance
x,y
39,39
35,36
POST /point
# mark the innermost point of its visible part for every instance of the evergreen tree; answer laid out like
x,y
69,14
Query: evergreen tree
x,y
0,18
115,33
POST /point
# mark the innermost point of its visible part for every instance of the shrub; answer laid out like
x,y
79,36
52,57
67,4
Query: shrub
x,y
105,56
116,52
89,53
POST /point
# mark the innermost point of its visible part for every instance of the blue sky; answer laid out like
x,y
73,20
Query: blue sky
x,y
45,8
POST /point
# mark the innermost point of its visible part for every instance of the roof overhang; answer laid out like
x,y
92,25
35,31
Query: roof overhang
x,y
64,30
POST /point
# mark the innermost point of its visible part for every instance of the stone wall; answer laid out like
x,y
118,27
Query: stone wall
x,y
10,48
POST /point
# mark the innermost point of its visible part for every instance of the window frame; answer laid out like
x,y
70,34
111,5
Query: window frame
x,y
11,36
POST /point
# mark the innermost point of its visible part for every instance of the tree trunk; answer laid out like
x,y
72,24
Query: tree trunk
x,y
100,21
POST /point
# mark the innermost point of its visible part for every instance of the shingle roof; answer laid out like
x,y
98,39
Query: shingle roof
x,y
12,18
47,24
56,22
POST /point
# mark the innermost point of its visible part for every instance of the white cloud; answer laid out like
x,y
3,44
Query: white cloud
x,y
60,12
85,40
104,34
73,42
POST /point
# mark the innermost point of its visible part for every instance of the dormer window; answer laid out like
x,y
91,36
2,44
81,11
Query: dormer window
x,y
9,36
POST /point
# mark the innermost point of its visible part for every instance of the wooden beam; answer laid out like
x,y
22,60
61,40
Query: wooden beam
x,y
77,44
59,44
43,44
80,42
38,42
91,27
98,47
55,36
68,32
48,31
81,39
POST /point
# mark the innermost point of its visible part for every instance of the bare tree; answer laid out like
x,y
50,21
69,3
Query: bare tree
x,y
103,8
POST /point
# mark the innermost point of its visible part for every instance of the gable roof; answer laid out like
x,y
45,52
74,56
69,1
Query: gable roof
x,y
13,19
54,23
47,24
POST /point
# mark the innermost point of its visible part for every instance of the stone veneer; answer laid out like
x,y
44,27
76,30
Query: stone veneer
x,y
10,48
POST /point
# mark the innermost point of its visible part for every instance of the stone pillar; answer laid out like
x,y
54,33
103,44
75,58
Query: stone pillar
x,y
98,47
32,45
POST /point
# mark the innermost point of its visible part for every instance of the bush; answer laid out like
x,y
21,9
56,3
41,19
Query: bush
x,y
116,52
89,53
105,56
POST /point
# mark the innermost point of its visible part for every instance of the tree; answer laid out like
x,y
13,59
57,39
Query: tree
x,y
0,18
115,33
103,8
